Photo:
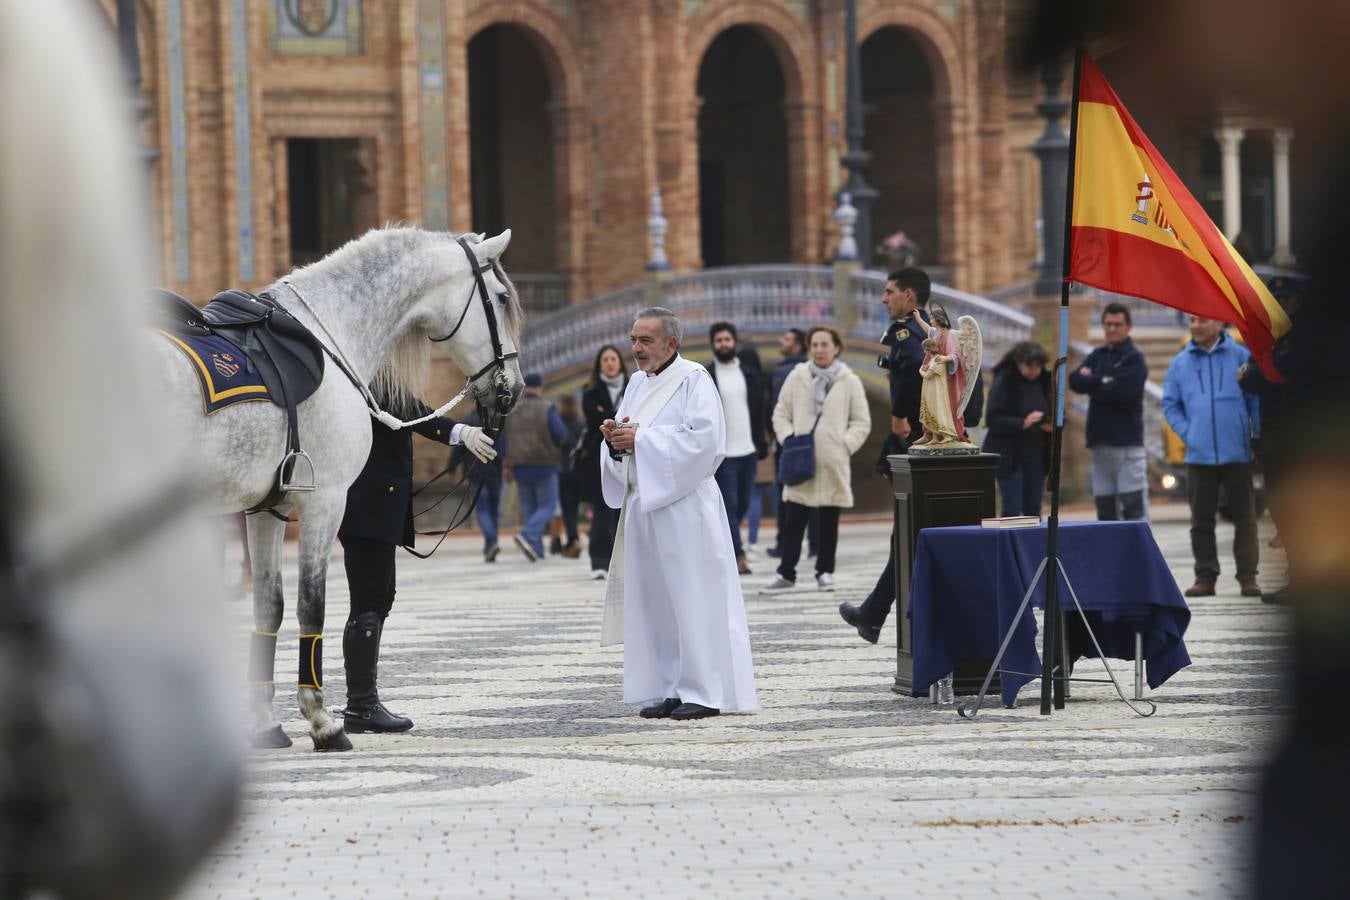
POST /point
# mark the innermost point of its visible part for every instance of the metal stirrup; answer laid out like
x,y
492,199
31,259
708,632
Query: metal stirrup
x,y
288,482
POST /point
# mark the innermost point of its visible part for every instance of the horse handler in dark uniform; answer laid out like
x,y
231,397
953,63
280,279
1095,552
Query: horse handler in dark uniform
x,y
377,521
906,294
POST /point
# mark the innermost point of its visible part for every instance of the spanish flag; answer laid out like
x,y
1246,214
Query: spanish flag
x,y
1136,230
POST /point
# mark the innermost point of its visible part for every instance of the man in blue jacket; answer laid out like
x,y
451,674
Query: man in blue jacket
x,y
1209,411
1113,377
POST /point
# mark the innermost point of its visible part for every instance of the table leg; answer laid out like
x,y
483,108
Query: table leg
x,y
932,694
1138,665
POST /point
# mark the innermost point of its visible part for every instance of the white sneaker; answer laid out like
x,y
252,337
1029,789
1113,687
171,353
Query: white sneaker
x,y
751,551
778,584
825,581
599,574
525,548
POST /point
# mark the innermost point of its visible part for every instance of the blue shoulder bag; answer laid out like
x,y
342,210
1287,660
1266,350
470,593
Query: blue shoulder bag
x,y
797,462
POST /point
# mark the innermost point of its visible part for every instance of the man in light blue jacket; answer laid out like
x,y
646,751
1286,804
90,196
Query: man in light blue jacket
x,y
1209,411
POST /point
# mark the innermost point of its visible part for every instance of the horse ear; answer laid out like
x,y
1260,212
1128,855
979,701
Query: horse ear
x,y
493,247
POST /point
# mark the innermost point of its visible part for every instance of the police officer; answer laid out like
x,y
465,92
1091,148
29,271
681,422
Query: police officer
x,y
906,293
378,518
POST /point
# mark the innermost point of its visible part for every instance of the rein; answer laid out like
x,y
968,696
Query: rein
x,y
334,350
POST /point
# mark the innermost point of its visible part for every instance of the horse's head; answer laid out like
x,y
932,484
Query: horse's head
x,y
477,314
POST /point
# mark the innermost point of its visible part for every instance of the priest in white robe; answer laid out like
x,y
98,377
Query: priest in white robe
x,y
686,643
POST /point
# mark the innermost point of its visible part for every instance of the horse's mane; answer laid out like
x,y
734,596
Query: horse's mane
x,y
401,379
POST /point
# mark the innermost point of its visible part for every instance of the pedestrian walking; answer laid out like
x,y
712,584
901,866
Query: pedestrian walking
x,y
569,495
1207,408
906,292
740,387
1017,417
609,378
535,431
485,483
792,347
823,398
1113,378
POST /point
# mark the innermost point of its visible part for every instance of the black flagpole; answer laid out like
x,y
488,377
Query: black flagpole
x,y
1052,647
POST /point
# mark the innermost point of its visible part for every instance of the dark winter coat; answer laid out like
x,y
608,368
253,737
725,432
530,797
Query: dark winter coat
x,y
1010,399
1115,392
379,502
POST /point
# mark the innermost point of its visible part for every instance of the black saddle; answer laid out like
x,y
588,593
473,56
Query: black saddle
x,y
286,354
288,357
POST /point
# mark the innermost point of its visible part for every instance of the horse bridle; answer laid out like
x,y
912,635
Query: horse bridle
x,y
491,418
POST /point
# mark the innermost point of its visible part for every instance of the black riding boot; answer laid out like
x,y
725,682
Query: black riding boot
x,y
361,656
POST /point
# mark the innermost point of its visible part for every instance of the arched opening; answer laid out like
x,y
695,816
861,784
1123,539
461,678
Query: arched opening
x,y
901,135
512,167
742,152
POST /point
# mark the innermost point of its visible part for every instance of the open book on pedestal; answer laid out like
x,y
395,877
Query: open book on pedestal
x,y
1011,522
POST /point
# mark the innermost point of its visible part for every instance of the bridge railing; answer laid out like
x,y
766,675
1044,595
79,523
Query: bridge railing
x,y
1000,326
755,298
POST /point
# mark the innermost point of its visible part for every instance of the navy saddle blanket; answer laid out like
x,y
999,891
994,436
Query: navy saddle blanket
x,y
225,375
243,348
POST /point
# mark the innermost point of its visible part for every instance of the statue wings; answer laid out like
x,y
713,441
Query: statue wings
x,y
972,346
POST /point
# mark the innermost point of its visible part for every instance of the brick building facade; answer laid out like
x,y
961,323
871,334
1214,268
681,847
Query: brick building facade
x,y
286,126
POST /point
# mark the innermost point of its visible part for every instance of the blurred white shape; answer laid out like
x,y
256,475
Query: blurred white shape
x,y
111,664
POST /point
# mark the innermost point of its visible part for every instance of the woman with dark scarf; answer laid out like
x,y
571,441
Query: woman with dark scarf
x,y
1018,418
609,377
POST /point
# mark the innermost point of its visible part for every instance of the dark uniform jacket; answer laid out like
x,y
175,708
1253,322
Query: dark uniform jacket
x,y
379,502
754,396
1010,399
904,343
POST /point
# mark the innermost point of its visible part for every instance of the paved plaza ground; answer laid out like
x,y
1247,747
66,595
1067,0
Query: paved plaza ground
x,y
527,777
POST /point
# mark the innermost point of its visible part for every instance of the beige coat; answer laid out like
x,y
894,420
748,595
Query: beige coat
x,y
844,424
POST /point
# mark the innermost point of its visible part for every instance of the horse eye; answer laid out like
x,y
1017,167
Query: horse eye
x,y
502,297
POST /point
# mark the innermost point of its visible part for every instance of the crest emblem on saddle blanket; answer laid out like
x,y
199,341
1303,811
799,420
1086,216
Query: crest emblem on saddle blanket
x,y
224,364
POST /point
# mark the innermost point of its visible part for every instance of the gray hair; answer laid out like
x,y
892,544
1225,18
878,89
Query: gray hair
x,y
670,323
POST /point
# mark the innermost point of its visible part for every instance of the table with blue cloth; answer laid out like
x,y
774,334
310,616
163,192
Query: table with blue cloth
x,y
968,582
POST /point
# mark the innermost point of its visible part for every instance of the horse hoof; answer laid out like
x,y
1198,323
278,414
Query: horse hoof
x,y
334,743
270,738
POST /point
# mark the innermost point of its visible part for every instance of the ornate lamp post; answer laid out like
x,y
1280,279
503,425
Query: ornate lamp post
x,y
856,158
1053,151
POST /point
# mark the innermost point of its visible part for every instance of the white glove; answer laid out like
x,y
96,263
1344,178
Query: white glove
x,y
477,443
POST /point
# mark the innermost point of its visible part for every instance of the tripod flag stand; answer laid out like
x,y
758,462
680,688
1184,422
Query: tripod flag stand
x,y
1054,656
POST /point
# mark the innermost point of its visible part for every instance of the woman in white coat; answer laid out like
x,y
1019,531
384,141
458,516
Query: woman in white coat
x,y
823,388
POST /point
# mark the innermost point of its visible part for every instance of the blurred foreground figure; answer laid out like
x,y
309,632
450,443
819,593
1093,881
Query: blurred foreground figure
x,y
1286,58
108,585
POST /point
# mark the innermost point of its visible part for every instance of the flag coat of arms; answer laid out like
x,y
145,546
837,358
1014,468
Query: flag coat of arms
x,y
1136,230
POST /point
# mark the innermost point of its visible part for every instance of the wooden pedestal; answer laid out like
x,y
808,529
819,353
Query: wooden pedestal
x,y
935,491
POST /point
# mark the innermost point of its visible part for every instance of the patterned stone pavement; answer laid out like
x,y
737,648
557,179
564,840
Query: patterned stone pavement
x,y
526,776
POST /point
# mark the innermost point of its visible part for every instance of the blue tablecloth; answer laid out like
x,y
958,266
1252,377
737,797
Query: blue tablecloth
x,y
968,581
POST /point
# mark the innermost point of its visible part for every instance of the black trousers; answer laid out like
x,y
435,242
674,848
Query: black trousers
x,y
569,497
370,575
604,522
878,604
1202,490
795,517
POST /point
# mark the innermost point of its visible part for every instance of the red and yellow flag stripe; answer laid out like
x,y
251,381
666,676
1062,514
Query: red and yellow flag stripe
x,y
1136,230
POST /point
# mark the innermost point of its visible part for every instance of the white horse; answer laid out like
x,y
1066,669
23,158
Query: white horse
x,y
377,303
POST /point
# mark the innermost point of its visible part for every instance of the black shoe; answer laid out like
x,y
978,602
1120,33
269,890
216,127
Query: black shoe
x,y
692,711
555,547
853,616
377,720
1277,598
661,710
360,657
490,552
773,552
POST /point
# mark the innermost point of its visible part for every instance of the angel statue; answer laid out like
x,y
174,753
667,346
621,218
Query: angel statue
x,y
950,368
